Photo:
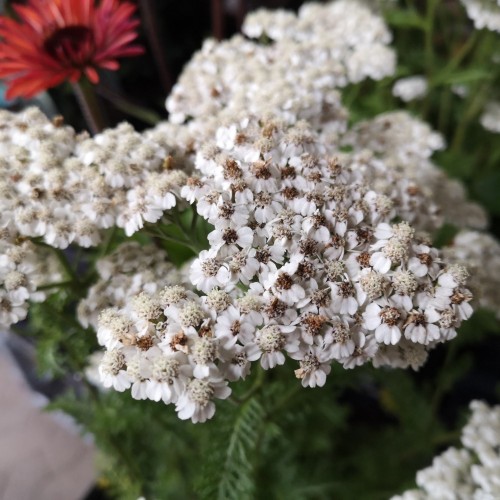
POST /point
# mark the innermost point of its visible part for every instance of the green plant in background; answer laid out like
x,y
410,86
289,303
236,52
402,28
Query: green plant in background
x,y
269,254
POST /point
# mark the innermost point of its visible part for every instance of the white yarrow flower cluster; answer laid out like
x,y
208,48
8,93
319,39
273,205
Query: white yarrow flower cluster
x,y
397,135
303,263
484,13
60,189
290,67
128,271
163,346
468,473
405,144
309,236
67,189
490,118
410,88
480,253
23,268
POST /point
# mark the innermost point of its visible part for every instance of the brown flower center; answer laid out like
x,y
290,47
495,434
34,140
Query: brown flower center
x,y
390,315
71,45
346,290
364,259
284,281
313,323
144,343
425,258
275,308
230,236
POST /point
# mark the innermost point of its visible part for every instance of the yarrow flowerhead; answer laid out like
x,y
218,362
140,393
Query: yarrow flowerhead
x,y
302,264
312,53
472,471
490,118
410,88
58,40
485,14
68,188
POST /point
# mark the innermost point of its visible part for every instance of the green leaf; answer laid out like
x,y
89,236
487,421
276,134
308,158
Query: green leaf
x,y
487,190
458,164
228,472
406,19
444,235
480,326
466,76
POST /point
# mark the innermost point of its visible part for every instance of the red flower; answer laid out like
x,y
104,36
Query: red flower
x,y
58,40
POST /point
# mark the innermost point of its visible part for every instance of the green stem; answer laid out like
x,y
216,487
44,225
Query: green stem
x,y
440,390
446,98
65,264
123,104
444,110
429,35
428,48
194,220
289,395
184,242
60,284
475,104
176,218
188,232
89,104
61,257
259,380
462,52
352,95
108,243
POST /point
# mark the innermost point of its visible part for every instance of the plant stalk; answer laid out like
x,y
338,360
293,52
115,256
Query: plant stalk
x,y
123,104
149,19
217,19
89,104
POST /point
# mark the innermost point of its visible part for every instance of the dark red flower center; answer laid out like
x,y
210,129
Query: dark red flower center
x,y
71,46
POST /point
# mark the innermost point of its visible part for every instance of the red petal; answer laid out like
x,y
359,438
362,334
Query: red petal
x,y
111,65
92,75
28,86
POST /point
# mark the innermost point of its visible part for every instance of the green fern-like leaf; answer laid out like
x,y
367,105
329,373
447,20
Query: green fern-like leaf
x,y
228,472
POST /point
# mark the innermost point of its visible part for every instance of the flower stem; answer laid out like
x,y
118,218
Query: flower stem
x,y
108,242
217,19
89,104
193,222
61,256
188,241
428,48
475,104
241,12
123,104
462,52
172,239
259,380
444,110
59,284
429,35
149,17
